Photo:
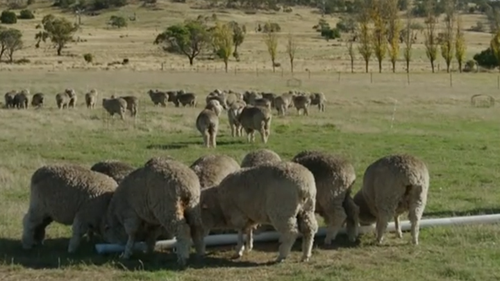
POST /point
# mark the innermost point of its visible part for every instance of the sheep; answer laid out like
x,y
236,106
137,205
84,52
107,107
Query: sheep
x,y
115,106
212,169
9,99
301,102
132,104
391,186
282,195
158,97
256,118
115,169
259,157
270,97
334,177
233,113
263,102
319,100
72,97
185,99
21,99
221,98
281,104
37,100
62,100
250,96
207,123
164,194
68,194
91,98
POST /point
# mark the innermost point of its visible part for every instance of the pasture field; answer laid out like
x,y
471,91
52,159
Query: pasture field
x,y
363,121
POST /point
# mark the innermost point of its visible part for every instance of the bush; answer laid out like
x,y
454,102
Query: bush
x,y
26,15
486,59
8,17
117,21
271,27
88,58
346,25
329,33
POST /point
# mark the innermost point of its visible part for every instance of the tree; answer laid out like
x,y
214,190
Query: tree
x,y
239,32
291,49
189,38
431,40
495,47
10,41
379,32
408,35
365,37
8,17
350,51
460,45
223,41
393,30
271,41
117,21
58,30
446,39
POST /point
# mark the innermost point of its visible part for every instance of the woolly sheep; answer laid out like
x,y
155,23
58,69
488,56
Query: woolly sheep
x,y
393,185
72,97
163,194
282,195
132,104
260,157
270,97
91,98
62,100
158,97
37,100
207,123
212,169
221,98
9,99
334,177
21,99
250,96
115,106
281,105
185,99
115,169
254,118
233,113
319,100
67,194
301,102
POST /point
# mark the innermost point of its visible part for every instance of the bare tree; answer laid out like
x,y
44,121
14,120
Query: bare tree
x,y
350,51
291,49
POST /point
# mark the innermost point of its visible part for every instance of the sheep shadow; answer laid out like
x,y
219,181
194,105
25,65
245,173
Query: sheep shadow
x,y
185,144
53,254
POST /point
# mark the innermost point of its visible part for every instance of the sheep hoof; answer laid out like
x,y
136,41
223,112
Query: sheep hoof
x,y
305,259
236,256
280,260
399,234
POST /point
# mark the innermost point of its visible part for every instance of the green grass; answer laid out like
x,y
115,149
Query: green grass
x,y
431,120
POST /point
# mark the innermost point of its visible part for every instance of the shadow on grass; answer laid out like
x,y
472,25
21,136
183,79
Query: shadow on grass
x,y
471,212
184,144
53,254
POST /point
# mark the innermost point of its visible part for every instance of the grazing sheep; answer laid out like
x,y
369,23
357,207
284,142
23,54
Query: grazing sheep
x,y
132,104
186,99
393,185
21,99
270,97
115,106
9,99
263,102
319,100
212,169
91,98
115,169
233,113
221,98
62,100
207,123
282,195
250,96
164,194
301,102
281,104
334,177
37,100
255,118
67,194
72,97
158,97
259,157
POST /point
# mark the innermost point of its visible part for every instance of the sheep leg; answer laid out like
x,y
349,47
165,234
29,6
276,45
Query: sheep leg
x,y
131,227
306,112
397,226
288,234
78,229
381,227
213,139
417,205
33,230
308,226
197,231
233,130
249,240
182,234
151,237
240,246
205,139
334,218
263,135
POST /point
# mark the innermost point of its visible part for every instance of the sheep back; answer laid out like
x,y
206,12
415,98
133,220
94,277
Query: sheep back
x,y
260,157
115,169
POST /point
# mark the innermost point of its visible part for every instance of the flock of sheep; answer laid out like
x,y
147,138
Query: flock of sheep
x,y
166,198
250,111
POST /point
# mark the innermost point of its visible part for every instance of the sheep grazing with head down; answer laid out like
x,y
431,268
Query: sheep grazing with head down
x,y
393,185
334,177
37,100
67,194
115,106
115,169
282,195
260,157
207,123
212,169
163,195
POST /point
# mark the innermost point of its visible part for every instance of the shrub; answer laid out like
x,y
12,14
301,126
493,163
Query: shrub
x,y
117,21
486,59
329,33
346,25
271,27
26,15
8,17
88,58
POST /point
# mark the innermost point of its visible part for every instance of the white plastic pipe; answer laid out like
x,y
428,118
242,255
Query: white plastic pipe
x,y
225,239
